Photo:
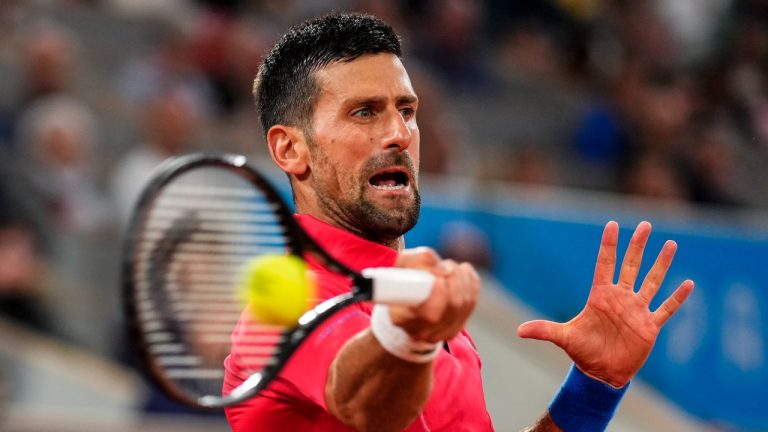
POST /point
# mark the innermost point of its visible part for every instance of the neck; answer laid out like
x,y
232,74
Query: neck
x,y
306,202
396,243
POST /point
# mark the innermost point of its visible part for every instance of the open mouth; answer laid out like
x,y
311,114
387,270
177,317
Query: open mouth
x,y
390,180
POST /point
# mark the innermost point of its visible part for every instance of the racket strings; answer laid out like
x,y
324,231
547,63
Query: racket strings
x,y
195,240
256,347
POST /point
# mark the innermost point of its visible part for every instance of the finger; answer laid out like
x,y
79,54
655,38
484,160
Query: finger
x,y
431,310
426,311
633,258
658,272
467,283
475,283
673,303
461,293
418,321
606,256
542,330
424,258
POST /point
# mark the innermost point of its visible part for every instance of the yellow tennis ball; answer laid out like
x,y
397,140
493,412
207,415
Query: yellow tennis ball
x,y
277,288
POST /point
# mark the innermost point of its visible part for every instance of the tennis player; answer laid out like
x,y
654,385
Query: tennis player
x,y
340,114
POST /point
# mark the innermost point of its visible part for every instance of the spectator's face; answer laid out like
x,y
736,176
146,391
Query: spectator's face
x,y
49,62
364,146
19,257
171,125
62,148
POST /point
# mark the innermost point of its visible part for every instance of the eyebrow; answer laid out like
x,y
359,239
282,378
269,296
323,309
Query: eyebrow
x,y
380,100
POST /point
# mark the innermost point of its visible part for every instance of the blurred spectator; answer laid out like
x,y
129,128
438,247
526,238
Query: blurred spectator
x,y
169,124
534,50
664,112
56,143
21,254
532,165
455,52
9,21
747,79
465,242
653,175
645,36
646,110
606,130
521,161
711,166
228,50
47,56
391,12
20,277
441,132
168,67
536,101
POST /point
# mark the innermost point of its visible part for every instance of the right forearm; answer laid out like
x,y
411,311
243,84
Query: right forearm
x,y
370,389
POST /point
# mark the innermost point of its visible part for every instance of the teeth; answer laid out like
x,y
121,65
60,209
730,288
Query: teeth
x,y
388,187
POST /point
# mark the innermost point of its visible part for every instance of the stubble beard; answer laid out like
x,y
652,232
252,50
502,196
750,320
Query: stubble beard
x,y
358,211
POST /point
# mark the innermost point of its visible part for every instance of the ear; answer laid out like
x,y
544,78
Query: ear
x,y
288,149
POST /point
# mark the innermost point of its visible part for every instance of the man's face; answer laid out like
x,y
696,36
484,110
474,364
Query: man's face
x,y
364,147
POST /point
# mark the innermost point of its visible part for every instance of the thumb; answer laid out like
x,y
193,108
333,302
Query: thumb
x,y
541,330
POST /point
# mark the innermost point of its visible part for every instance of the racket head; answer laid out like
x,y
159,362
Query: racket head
x,y
195,226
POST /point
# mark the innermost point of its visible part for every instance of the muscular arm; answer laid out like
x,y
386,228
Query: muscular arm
x,y
371,396
371,390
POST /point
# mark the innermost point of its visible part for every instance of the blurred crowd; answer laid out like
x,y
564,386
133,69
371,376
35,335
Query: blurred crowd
x,y
663,99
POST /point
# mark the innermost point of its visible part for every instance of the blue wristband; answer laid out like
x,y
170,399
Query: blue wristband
x,y
584,404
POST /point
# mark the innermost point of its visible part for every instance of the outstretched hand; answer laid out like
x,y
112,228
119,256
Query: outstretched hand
x,y
611,338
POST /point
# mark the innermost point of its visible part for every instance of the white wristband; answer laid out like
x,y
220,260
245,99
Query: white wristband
x,y
397,342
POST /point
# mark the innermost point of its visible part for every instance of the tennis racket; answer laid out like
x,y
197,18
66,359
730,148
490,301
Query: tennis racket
x,y
201,218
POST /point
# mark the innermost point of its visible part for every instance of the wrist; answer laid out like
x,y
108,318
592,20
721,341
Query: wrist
x,y
584,403
397,341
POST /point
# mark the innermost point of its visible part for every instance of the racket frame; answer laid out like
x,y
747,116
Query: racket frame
x,y
298,243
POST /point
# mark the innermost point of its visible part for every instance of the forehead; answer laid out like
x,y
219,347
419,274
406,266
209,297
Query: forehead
x,y
381,75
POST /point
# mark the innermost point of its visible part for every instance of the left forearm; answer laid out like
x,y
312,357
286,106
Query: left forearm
x,y
544,424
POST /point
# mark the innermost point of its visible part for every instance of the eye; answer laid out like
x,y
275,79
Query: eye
x,y
408,113
363,112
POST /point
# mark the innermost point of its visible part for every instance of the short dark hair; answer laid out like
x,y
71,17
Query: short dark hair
x,y
285,88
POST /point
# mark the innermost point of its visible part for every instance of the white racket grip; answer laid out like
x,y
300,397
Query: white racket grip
x,y
400,286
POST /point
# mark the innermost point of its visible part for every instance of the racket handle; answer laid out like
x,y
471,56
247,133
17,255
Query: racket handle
x,y
401,286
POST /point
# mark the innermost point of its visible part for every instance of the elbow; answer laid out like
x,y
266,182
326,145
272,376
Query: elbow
x,y
384,412
367,420
371,391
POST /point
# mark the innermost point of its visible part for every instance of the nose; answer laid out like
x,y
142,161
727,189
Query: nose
x,y
397,133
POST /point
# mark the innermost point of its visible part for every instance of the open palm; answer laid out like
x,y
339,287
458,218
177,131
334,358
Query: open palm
x,y
611,338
